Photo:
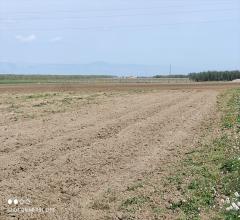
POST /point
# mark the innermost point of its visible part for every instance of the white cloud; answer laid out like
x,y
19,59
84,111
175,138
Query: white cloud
x,y
26,39
55,39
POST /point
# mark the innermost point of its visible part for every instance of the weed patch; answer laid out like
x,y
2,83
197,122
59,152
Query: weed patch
x,y
215,170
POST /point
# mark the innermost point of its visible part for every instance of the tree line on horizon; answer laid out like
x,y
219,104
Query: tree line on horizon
x,y
215,76
207,76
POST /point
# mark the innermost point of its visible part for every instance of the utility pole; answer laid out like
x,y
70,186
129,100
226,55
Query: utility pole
x,y
170,69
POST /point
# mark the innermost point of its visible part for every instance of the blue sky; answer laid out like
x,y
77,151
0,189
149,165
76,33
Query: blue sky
x,y
191,35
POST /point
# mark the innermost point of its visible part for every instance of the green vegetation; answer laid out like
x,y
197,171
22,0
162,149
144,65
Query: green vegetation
x,y
198,77
11,78
27,79
214,170
214,76
134,203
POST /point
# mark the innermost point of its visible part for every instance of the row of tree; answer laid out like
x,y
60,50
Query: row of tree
x,y
215,76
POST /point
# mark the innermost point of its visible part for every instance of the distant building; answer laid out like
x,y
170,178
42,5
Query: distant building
x,y
131,77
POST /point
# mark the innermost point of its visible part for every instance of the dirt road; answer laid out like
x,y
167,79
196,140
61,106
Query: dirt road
x,y
67,160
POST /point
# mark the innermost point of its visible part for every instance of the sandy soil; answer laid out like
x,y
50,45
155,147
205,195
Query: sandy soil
x,y
67,159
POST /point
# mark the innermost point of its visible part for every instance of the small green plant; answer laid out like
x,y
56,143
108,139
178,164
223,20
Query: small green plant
x,y
193,185
156,210
134,203
231,165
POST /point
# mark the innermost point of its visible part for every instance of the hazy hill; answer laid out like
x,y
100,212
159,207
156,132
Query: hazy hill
x,y
97,68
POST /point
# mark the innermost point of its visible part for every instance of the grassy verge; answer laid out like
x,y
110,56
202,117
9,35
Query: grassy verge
x,y
214,170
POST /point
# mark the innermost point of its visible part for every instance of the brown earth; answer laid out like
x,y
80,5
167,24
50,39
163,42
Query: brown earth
x,y
65,150
102,87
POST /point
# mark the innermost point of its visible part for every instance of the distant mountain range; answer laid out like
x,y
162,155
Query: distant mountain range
x,y
97,68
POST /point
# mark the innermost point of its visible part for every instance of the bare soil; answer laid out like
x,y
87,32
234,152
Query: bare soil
x,y
65,150
102,87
